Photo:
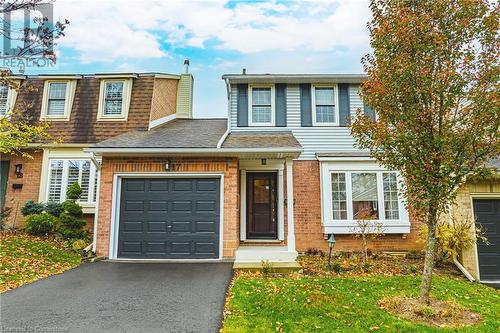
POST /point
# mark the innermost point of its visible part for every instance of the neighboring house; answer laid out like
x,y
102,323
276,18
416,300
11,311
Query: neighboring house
x,y
480,199
276,178
82,110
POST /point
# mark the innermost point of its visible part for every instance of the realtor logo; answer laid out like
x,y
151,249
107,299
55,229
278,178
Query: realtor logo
x,y
27,36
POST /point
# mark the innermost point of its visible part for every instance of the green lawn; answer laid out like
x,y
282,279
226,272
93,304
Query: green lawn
x,y
345,304
25,258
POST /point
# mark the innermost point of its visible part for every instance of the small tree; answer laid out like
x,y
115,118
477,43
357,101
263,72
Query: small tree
x,y
367,229
433,79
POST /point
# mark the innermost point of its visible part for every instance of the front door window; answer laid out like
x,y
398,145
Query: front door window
x,y
261,205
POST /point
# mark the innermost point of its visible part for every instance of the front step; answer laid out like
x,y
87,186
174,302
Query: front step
x,y
275,258
274,267
266,253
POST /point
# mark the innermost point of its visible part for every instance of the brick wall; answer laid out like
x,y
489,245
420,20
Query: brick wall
x,y
229,167
31,169
307,217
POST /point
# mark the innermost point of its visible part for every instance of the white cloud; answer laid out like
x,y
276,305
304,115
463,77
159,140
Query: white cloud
x,y
110,30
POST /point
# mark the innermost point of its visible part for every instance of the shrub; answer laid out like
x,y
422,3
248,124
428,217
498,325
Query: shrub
x,y
72,208
40,224
31,207
70,224
78,245
69,233
74,192
54,208
454,236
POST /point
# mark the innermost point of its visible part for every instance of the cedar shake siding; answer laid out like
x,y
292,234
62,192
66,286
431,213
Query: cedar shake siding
x,y
83,126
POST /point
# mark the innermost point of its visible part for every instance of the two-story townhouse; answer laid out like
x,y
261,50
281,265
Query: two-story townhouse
x,y
81,110
277,177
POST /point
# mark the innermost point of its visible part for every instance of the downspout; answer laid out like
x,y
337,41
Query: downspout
x,y
98,168
228,130
463,269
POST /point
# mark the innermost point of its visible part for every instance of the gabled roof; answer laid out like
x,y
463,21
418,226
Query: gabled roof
x,y
178,133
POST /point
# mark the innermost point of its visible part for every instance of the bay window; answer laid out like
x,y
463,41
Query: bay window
x,y
64,172
351,192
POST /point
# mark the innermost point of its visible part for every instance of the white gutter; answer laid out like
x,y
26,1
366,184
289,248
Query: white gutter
x,y
463,270
191,150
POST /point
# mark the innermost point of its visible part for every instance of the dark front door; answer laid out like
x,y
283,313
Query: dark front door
x,y
487,213
175,218
4,174
261,205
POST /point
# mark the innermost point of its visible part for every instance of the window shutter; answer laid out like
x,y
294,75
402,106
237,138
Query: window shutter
x,y
344,105
369,111
305,105
280,105
242,105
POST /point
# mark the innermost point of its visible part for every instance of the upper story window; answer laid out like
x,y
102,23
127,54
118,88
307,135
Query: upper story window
x,y
325,105
58,99
7,99
114,99
261,103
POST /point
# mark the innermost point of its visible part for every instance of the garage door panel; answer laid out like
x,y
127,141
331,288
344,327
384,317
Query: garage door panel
x,y
169,218
206,226
158,206
135,185
159,185
487,212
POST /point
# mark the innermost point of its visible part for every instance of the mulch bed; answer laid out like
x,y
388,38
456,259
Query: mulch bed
x,y
438,313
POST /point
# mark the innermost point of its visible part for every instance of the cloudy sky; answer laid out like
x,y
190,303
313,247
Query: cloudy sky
x,y
217,36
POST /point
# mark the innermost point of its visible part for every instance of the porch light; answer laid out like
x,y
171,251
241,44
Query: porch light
x,y
263,161
168,165
331,243
19,170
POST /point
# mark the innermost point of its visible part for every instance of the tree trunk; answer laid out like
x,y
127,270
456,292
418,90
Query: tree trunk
x,y
430,253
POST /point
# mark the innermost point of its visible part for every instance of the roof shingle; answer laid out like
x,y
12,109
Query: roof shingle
x,y
261,140
179,133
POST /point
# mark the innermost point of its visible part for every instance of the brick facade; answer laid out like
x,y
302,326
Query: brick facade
x,y
227,166
30,181
307,217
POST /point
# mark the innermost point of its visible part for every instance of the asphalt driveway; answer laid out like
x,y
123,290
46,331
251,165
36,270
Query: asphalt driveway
x,y
121,297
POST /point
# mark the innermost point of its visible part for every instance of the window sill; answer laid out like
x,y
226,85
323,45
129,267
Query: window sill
x,y
88,208
121,118
349,227
53,118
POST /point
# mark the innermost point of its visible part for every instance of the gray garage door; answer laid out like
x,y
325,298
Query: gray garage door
x,y
487,213
169,218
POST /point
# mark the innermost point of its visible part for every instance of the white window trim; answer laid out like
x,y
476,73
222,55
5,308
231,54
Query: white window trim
x,y
11,101
400,226
68,100
273,105
336,108
127,93
66,154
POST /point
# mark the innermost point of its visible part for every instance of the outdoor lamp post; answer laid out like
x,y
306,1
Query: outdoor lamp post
x,y
331,244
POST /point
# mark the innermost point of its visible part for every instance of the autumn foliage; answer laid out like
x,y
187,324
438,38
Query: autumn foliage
x,y
433,79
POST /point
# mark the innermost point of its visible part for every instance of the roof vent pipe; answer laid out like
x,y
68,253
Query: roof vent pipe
x,y
186,66
244,71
